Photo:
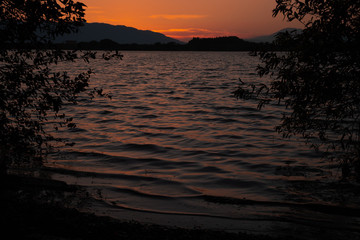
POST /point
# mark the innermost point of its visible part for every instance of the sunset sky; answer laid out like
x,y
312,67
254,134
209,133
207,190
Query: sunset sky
x,y
184,19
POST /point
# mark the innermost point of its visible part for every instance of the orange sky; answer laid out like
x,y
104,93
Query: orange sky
x,y
184,19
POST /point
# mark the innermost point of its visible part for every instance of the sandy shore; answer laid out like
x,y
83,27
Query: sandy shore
x,y
35,208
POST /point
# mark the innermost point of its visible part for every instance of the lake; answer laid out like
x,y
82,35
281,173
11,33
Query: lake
x,y
173,146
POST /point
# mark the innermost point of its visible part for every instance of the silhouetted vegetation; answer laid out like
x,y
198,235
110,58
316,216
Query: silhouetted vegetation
x,y
317,78
221,44
31,93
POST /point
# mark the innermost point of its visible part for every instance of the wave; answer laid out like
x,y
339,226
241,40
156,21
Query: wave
x,y
173,133
145,147
323,208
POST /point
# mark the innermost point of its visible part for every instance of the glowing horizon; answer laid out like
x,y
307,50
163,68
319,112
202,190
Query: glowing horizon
x,y
188,19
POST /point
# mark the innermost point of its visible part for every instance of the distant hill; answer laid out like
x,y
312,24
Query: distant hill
x,y
271,38
119,34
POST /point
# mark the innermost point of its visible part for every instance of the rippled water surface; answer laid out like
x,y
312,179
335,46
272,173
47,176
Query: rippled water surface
x,y
173,143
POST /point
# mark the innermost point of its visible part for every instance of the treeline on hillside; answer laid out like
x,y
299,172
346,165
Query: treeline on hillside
x,y
196,44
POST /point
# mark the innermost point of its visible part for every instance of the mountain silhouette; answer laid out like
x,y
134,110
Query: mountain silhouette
x,y
119,34
270,38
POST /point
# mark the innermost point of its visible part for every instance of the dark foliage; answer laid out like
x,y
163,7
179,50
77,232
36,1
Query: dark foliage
x,y
221,44
317,78
31,92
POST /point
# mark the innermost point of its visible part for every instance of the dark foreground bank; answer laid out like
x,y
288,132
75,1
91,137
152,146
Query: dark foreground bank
x,y
36,208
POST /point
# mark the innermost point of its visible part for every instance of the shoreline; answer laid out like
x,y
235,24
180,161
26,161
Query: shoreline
x,y
38,208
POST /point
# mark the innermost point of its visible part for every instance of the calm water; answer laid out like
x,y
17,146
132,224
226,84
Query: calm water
x,y
173,146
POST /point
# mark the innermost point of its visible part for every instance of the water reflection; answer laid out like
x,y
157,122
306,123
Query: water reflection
x,y
173,137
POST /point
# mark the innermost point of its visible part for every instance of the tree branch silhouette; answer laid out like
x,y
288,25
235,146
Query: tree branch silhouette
x,y
31,91
317,78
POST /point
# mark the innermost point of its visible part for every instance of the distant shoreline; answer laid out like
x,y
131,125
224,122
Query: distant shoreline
x,y
196,44
226,44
